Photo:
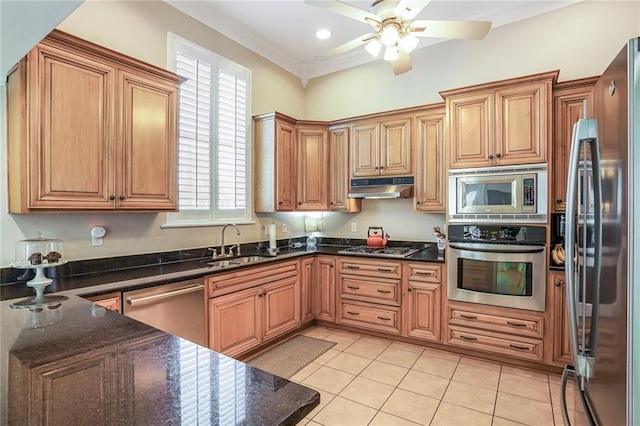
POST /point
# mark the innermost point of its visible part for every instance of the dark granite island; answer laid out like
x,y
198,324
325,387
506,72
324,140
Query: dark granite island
x,y
92,366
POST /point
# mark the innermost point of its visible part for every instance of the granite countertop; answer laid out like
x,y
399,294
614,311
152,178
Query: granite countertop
x,y
146,376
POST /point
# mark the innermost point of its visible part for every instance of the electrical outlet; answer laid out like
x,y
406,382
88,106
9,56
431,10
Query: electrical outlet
x,y
354,227
284,228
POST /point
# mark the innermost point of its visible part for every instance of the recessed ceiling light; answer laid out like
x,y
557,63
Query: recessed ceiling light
x,y
323,33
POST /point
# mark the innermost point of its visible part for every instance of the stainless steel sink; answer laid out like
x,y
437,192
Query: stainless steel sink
x,y
236,261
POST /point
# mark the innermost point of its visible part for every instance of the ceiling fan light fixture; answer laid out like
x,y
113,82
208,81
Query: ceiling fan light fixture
x,y
389,35
323,33
409,42
374,47
392,53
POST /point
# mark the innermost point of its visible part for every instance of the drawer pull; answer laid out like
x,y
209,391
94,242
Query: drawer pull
x,y
470,339
384,318
385,269
520,348
516,324
427,274
353,313
352,267
384,291
352,287
469,317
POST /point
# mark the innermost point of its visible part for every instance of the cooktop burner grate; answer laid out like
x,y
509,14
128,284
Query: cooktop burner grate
x,y
385,251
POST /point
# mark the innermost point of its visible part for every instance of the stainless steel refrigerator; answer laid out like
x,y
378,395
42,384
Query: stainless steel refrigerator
x,y
602,242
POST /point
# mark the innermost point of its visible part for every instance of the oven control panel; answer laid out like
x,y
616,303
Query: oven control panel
x,y
498,234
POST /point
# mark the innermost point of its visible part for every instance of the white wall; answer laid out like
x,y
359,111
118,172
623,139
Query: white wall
x,y
579,40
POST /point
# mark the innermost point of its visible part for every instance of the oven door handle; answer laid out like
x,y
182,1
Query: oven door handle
x,y
495,248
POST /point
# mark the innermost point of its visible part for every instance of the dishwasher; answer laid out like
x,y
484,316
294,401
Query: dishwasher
x,y
175,308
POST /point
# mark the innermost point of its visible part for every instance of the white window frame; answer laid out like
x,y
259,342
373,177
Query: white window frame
x,y
214,216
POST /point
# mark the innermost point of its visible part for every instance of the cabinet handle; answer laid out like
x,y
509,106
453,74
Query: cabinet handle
x,y
520,348
427,274
559,283
121,197
384,291
353,313
330,203
418,203
375,168
469,317
352,287
490,157
299,203
381,167
280,203
112,197
352,267
410,289
516,324
384,318
385,269
498,155
470,339
558,201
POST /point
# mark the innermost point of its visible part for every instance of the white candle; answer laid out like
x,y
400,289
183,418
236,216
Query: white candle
x,y
272,236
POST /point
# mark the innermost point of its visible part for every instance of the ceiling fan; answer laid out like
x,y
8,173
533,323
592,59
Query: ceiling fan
x,y
395,29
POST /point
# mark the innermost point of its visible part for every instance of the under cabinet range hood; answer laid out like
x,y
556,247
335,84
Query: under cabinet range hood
x,y
391,187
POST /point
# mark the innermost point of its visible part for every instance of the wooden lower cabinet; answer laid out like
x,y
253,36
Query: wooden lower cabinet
x,y
307,283
324,297
561,349
503,331
423,300
242,320
370,315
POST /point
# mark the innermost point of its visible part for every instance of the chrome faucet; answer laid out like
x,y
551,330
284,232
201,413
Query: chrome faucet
x,y
222,250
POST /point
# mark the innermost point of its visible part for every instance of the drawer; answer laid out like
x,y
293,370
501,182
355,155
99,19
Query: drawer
x,y
371,268
377,291
521,326
230,282
486,341
370,316
424,272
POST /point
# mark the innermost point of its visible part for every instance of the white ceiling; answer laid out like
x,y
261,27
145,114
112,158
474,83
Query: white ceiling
x,y
284,31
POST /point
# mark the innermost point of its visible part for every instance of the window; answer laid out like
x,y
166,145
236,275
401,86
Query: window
x,y
214,157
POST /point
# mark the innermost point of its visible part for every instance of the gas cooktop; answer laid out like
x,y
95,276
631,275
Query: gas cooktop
x,y
385,251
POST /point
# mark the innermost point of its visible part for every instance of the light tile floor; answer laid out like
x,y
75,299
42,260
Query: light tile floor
x,y
377,382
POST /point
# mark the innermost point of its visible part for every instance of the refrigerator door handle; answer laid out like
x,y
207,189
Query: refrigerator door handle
x,y
583,130
566,373
597,262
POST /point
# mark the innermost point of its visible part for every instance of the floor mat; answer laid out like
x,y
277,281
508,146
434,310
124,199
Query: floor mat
x,y
291,356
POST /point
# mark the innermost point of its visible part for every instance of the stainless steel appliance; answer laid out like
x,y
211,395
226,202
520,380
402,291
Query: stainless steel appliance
x,y
385,251
384,187
603,303
177,308
514,194
498,265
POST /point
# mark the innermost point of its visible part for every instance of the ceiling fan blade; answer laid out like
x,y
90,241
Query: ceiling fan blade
x,y
402,64
345,10
409,9
344,48
473,30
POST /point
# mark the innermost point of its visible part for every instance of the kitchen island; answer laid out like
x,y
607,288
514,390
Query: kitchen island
x,y
83,364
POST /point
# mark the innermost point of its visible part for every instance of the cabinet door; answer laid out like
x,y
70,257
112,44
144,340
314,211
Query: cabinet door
x,y
307,272
364,150
423,310
281,307
72,131
471,130
236,322
567,110
561,349
339,172
395,147
147,158
313,160
430,174
522,124
325,289
285,167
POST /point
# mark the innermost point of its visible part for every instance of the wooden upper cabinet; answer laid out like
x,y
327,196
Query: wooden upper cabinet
x,y
381,148
339,172
429,185
313,158
275,163
568,101
501,123
71,116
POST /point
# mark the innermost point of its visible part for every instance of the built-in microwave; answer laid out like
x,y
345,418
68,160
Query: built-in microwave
x,y
512,194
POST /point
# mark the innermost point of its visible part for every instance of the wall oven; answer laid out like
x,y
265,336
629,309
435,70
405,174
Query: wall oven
x,y
514,194
498,265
